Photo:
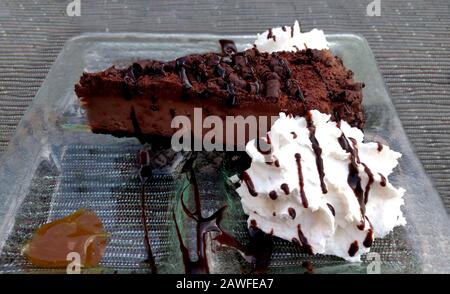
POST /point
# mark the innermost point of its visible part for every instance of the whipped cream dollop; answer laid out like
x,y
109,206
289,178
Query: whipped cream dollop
x,y
315,182
290,38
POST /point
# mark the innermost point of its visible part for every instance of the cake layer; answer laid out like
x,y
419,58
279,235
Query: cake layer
x,y
142,100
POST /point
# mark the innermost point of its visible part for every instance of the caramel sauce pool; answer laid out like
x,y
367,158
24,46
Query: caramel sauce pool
x,y
81,232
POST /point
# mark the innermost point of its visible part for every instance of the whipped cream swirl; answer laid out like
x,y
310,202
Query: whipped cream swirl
x,y
290,38
314,182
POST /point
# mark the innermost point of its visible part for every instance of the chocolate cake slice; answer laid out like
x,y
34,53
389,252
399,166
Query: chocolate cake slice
x,y
142,99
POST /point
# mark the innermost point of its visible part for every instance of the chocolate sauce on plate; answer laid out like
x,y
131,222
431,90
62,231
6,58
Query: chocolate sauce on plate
x,y
257,252
145,173
204,225
308,266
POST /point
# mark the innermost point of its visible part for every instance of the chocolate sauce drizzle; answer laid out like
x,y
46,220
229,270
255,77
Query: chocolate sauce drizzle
x,y
369,182
346,146
145,173
231,99
270,35
292,212
132,74
136,127
368,241
333,212
353,248
308,266
302,241
204,225
285,188
355,148
179,64
353,179
300,180
383,180
379,146
131,80
317,150
273,195
294,135
228,47
258,251
220,71
277,162
249,183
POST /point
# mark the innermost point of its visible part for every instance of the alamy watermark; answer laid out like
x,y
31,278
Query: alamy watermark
x,y
374,266
374,8
213,133
74,266
74,8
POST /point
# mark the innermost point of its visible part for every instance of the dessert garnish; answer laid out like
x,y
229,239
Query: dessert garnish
x,y
329,191
81,232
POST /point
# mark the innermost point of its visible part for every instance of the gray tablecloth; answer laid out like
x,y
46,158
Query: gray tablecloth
x,y
410,39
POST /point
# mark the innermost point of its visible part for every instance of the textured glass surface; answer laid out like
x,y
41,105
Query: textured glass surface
x,y
55,165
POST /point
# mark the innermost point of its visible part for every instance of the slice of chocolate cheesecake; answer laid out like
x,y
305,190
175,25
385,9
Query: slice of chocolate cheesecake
x,y
142,99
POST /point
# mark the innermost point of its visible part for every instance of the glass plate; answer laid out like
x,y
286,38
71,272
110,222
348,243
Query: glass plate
x,y
54,165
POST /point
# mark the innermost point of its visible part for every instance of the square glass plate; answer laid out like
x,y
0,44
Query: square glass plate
x,y
54,165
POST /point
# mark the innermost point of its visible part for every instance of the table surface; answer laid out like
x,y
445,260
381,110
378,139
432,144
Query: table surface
x,y
410,40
